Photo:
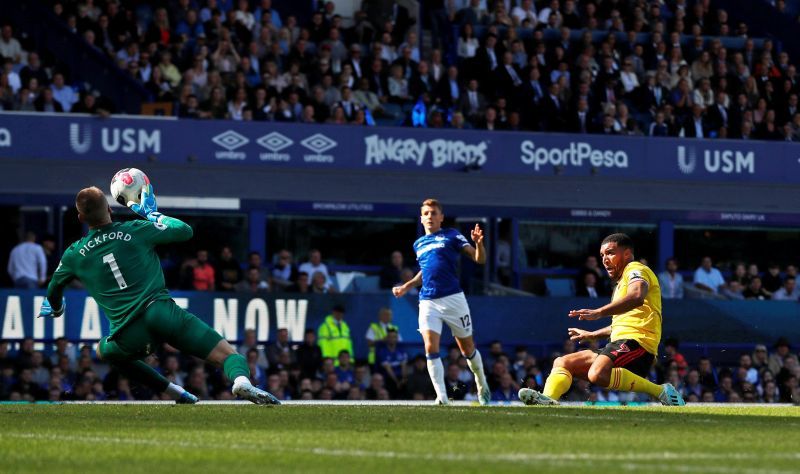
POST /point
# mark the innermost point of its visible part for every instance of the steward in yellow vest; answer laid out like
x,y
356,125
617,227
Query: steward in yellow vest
x,y
333,335
377,332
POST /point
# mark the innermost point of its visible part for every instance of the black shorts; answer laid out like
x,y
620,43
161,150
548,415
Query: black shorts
x,y
627,353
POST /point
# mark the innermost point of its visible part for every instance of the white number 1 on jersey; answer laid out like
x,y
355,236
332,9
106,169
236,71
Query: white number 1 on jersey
x,y
109,259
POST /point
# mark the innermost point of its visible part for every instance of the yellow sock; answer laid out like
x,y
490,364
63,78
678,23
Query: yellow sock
x,y
557,383
624,379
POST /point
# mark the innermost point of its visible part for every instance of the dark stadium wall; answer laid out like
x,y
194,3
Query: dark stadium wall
x,y
24,183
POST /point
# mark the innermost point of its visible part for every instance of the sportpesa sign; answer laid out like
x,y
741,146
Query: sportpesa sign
x,y
575,154
334,147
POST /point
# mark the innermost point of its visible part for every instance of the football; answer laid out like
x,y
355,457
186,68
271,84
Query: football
x,y
126,185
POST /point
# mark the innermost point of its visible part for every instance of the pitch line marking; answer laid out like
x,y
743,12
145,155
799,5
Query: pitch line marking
x,y
583,458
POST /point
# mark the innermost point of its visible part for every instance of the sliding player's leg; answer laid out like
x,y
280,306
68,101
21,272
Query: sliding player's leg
x,y
475,363
190,335
559,381
125,352
623,365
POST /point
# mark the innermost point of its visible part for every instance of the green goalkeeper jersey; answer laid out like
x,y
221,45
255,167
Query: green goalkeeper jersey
x,y
119,267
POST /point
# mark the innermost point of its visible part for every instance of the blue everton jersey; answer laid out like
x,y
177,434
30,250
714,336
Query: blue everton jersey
x,y
437,255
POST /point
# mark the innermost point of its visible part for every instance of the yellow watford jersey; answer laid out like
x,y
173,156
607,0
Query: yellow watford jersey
x,y
642,324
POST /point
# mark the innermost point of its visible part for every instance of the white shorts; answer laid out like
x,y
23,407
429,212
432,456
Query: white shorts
x,y
452,310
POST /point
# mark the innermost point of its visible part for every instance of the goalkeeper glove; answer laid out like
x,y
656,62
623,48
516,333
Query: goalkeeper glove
x,y
47,311
148,207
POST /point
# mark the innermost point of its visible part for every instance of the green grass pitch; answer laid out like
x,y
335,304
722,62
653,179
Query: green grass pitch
x,y
408,439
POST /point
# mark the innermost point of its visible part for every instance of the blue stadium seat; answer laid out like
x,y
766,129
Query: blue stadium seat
x,y
366,284
560,286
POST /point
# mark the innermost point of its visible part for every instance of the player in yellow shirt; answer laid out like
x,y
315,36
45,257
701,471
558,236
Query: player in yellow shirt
x,y
635,332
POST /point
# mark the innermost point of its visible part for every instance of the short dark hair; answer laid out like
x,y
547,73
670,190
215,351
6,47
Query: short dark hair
x,y
622,240
92,204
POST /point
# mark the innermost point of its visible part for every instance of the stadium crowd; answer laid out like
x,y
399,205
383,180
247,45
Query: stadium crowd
x,y
304,371
739,282
637,67
30,265
32,262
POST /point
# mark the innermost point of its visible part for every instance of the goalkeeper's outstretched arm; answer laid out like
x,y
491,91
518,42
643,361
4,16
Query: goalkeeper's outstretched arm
x,y
53,305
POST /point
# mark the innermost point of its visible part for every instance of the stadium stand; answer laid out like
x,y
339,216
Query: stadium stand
x,y
618,68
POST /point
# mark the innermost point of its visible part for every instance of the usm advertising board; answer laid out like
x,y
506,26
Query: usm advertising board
x,y
295,145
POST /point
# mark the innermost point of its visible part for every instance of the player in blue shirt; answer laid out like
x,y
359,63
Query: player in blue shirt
x,y
441,299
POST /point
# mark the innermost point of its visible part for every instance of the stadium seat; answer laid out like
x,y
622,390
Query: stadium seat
x,y
344,280
366,284
560,286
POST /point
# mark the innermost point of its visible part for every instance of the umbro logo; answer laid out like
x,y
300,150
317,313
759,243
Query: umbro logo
x,y
275,142
230,140
318,143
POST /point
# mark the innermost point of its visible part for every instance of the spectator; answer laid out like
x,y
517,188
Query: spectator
x,y
589,287
754,290
671,281
777,358
283,272
695,126
282,345
47,103
252,284
525,11
419,382
375,388
344,371
467,42
390,274
320,285
10,46
314,265
63,93
456,389
250,343
202,272
472,102
301,285
27,263
788,292
63,348
707,374
671,355
228,271
377,331
746,368
707,278
733,290
507,389
392,360
772,280
693,385
254,261
334,334
309,354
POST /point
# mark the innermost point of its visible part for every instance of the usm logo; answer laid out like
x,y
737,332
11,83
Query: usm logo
x,y
717,161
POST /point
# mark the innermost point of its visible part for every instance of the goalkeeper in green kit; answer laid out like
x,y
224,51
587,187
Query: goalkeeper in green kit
x,y
119,267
